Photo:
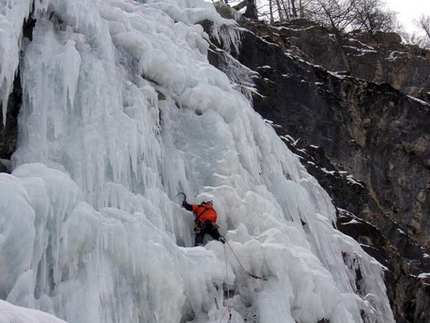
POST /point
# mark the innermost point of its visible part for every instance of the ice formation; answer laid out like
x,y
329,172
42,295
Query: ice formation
x,y
120,111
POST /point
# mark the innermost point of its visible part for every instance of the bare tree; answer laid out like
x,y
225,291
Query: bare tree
x,y
339,15
293,8
251,8
415,38
424,23
280,10
272,20
370,17
367,15
336,15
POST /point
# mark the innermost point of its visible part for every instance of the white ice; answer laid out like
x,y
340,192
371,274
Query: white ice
x,y
121,110
10,313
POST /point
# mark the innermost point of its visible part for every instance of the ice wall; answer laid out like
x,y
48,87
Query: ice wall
x,y
121,110
14,314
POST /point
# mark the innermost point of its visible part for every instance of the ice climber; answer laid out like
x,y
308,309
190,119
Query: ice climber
x,y
205,221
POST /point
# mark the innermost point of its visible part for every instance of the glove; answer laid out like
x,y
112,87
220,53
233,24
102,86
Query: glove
x,y
184,203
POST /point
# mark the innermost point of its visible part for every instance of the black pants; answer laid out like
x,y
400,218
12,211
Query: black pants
x,y
206,227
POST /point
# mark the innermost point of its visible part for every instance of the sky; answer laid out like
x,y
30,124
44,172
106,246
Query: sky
x,y
409,10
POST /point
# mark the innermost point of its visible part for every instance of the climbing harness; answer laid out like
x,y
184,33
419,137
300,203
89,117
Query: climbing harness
x,y
247,273
199,225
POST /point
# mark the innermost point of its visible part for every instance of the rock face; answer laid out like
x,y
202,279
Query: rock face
x,y
370,130
378,58
368,144
385,241
383,59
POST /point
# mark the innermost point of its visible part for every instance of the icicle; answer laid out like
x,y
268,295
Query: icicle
x,y
12,17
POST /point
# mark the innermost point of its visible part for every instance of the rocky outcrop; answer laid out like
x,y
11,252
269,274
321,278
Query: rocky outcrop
x,y
378,58
403,257
370,130
367,143
383,58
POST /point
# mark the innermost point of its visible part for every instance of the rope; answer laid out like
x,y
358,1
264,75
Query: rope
x,y
226,271
231,301
247,273
243,268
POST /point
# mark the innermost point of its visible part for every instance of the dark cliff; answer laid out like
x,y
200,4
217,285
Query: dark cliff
x,y
379,58
9,127
367,143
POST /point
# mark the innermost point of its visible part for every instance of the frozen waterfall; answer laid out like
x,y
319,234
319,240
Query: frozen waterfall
x,y
120,111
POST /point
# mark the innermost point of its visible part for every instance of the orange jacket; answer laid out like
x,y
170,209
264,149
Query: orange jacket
x,y
204,212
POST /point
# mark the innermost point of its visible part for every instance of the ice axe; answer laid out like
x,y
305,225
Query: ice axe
x,y
185,196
